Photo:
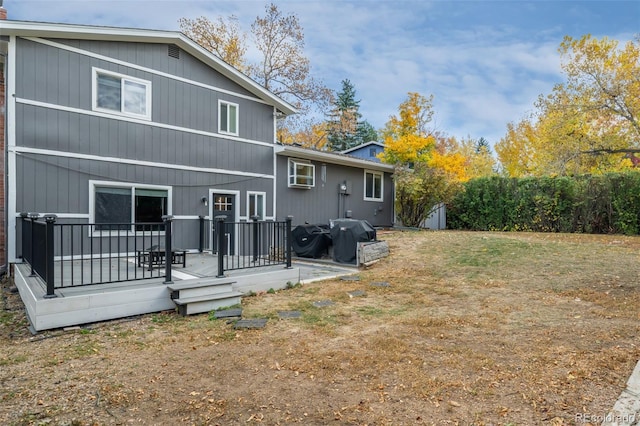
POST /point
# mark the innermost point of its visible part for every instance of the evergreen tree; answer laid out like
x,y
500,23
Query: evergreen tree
x,y
344,127
366,132
482,146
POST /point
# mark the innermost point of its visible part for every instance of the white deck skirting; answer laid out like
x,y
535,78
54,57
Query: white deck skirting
x,y
101,302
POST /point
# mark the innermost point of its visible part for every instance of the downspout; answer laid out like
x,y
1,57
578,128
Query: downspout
x,y
10,142
275,166
394,217
5,220
5,159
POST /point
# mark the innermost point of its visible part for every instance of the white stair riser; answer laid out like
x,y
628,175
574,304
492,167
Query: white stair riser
x,y
208,305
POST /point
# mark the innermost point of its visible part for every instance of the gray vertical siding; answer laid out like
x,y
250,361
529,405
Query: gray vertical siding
x,y
156,56
323,202
61,185
61,79
45,128
64,78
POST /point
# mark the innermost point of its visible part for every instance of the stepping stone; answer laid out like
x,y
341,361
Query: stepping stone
x,y
251,323
356,293
289,314
381,284
226,313
350,278
323,303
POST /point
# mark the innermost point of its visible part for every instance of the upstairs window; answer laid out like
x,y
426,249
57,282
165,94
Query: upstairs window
x,y
120,94
372,186
228,118
301,174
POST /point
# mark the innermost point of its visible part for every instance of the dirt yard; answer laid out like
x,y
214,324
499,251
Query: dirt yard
x,y
474,328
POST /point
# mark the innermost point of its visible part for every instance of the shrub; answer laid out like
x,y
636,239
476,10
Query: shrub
x,y
592,204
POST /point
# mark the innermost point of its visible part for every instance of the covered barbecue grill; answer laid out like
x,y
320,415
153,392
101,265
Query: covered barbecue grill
x,y
345,236
311,240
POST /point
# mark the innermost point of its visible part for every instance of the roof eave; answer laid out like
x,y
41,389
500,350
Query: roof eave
x,y
328,157
86,32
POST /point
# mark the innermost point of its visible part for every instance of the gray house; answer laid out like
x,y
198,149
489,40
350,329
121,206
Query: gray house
x,y
316,186
124,125
108,132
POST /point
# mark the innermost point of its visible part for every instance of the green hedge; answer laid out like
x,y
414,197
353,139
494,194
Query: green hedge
x,y
590,204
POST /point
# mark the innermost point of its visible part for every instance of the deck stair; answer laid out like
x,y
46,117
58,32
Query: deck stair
x,y
203,295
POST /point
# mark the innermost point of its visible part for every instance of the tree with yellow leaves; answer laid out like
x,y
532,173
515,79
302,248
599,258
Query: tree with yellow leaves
x,y
606,79
407,137
589,124
465,159
312,135
222,37
423,176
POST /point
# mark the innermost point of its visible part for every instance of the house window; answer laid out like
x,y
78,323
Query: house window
x,y
228,118
301,174
116,207
119,94
372,152
112,208
372,186
150,206
256,204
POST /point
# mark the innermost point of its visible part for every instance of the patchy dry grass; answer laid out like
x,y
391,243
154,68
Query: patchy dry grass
x,y
476,328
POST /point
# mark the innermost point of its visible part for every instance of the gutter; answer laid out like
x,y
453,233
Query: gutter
x,y
331,157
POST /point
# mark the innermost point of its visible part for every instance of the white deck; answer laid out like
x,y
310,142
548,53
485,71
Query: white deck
x,y
87,304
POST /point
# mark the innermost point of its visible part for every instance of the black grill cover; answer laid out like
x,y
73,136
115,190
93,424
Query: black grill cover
x,y
345,236
311,240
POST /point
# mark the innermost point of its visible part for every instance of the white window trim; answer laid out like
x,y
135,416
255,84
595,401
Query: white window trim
x,y
289,175
224,132
381,199
94,94
264,203
133,187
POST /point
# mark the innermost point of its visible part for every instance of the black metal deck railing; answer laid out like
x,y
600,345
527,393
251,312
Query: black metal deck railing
x,y
243,245
80,254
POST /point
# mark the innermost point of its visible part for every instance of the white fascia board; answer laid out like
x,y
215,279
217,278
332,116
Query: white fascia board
x,y
332,158
88,32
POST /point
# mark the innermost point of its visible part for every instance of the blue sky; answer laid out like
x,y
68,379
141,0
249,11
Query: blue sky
x,y
485,62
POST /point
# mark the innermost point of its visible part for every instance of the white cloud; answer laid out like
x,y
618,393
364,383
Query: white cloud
x,y
485,62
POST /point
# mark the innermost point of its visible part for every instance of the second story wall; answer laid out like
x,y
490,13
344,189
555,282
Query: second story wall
x,y
55,94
